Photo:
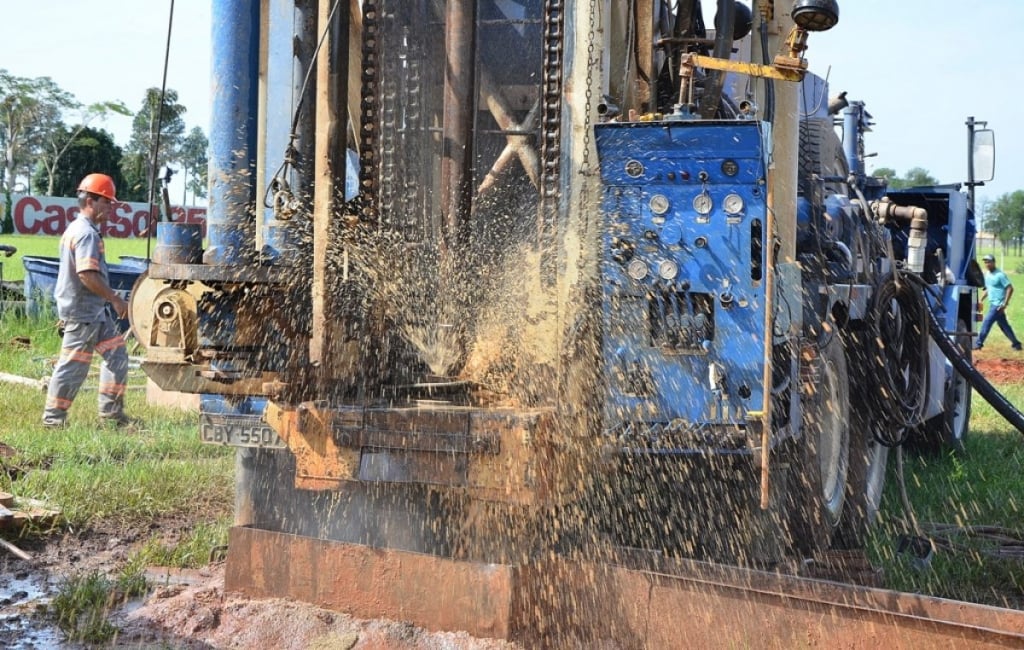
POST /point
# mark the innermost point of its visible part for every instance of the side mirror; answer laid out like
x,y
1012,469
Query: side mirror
x,y
983,155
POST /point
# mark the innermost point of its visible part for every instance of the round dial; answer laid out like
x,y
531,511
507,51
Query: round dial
x,y
659,204
637,269
634,168
702,203
668,270
733,204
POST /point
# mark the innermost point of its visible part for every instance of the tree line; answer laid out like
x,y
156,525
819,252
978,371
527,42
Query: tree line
x,y
49,141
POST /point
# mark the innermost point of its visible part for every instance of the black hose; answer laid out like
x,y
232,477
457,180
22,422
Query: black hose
x,y
973,377
899,356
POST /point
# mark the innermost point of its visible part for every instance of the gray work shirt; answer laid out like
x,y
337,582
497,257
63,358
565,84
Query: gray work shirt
x,y
81,249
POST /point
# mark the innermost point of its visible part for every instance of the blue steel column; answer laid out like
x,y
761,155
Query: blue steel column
x,y
851,136
235,74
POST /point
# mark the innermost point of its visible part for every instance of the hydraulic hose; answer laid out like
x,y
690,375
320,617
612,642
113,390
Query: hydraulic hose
x,y
973,377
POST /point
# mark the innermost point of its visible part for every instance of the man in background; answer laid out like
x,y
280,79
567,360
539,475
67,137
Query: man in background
x,y
82,292
999,290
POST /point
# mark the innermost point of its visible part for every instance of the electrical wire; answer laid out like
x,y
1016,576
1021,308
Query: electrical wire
x,y
155,148
279,183
899,336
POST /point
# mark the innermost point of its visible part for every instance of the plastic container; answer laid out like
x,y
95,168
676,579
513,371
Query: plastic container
x,y
41,279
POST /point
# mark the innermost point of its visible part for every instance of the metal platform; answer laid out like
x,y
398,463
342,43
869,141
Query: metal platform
x,y
628,601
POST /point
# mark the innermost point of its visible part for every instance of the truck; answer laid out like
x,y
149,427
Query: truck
x,y
485,278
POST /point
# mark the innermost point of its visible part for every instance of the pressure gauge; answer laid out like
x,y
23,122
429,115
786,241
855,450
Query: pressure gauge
x,y
634,169
668,270
733,204
637,270
659,204
702,204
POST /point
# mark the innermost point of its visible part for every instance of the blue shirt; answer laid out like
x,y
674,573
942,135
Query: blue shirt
x,y
995,284
81,249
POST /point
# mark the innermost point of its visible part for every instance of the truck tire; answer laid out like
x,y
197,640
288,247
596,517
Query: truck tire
x,y
868,463
820,463
949,429
821,155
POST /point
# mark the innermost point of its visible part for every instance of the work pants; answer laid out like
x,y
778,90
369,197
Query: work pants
x,y
81,341
994,316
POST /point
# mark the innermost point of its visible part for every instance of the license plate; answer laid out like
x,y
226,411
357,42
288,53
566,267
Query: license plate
x,y
237,432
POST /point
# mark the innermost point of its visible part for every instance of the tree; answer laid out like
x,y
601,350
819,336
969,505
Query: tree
x,y
59,141
30,110
915,177
86,150
137,165
194,163
1005,219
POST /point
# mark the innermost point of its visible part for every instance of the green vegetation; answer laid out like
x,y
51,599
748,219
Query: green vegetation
x,y
43,246
981,487
84,602
110,480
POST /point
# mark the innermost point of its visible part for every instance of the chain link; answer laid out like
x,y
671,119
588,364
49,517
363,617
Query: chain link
x,y
369,130
585,171
551,123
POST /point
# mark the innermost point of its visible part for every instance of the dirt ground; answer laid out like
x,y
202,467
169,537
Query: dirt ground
x,y
1001,370
198,614
187,608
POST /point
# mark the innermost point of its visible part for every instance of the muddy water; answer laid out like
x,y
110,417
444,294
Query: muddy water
x,y
24,596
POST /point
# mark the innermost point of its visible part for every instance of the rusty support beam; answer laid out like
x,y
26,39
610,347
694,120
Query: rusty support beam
x,y
648,602
459,94
328,174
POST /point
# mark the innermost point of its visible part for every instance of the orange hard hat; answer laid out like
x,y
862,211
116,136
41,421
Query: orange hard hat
x,y
99,184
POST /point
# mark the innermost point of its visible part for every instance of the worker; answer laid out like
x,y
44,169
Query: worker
x,y
999,290
82,292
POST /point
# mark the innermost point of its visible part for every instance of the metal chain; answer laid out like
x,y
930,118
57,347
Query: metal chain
x,y
551,123
388,122
585,171
369,161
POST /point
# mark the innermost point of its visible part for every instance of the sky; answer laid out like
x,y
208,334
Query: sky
x,y
113,50
921,66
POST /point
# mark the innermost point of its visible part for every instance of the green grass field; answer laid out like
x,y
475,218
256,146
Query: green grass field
x,y
43,246
95,473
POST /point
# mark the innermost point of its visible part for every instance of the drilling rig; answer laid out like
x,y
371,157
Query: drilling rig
x,y
483,278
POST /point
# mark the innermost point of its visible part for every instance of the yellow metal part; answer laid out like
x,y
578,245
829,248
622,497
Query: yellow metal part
x,y
786,67
494,455
790,70
320,463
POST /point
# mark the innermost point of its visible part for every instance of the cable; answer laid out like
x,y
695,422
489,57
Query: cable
x,y
155,149
899,352
279,183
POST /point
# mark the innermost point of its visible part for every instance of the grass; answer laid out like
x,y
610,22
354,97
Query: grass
x,y
46,246
84,602
981,487
97,473
108,479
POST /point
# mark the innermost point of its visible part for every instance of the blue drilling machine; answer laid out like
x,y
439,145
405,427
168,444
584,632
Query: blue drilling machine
x,y
483,277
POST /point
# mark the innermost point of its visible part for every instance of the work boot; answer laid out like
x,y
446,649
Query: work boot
x,y
1017,346
55,424
122,421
